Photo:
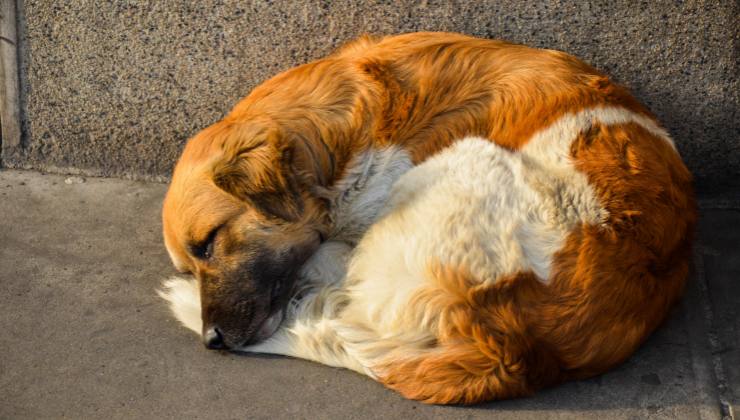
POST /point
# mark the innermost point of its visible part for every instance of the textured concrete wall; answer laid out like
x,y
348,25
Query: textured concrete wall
x,y
115,88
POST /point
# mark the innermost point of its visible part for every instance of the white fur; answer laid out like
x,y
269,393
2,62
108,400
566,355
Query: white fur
x,y
184,298
475,206
359,198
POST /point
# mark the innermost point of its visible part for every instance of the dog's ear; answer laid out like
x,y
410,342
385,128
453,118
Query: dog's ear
x,y
259,173
249,170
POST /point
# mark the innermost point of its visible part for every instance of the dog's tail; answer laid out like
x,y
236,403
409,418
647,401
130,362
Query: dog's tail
x,y
184,299
483,351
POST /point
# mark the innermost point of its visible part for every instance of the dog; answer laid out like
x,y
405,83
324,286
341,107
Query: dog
x,y
474,271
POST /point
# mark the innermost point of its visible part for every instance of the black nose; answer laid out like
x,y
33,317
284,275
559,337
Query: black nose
x,y
213,339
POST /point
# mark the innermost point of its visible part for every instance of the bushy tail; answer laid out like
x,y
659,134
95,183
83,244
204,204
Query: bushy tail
x,y
483,351
184,299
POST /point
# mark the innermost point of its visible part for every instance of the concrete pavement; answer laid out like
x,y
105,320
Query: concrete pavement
x,y
85,336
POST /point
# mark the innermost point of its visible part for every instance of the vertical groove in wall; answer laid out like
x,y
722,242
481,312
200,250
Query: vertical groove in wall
x,y
10,137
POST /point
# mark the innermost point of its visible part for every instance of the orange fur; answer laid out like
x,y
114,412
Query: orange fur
x,y
485,348
611,284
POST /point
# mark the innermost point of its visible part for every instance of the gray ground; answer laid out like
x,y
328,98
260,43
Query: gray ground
x,y
85,336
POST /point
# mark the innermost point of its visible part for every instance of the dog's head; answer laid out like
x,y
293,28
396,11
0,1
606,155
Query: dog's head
x,y
240,215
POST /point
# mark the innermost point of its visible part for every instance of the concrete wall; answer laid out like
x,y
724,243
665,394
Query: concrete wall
x,y
115,88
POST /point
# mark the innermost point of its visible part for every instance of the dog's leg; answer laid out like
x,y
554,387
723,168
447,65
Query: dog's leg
x,y
309,331
312,328
313,332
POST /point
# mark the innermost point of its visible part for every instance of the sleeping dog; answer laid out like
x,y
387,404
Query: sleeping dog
x,y
545,249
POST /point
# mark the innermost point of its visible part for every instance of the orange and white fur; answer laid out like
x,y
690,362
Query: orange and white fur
x,y
456,270
459,288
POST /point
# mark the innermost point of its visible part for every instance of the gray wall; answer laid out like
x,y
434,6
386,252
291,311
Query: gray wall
x,y
115,88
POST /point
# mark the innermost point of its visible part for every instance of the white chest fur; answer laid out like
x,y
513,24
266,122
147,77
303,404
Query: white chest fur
x,y
362,195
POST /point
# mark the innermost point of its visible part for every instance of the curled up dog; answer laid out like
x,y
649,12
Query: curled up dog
x,y
458,234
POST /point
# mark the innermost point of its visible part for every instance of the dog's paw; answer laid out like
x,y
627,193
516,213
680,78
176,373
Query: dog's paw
x,y
184,300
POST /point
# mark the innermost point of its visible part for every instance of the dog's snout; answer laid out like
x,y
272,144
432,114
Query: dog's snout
x,y
213,339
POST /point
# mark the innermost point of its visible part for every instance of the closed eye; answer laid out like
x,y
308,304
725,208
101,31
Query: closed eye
x,y
204,250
